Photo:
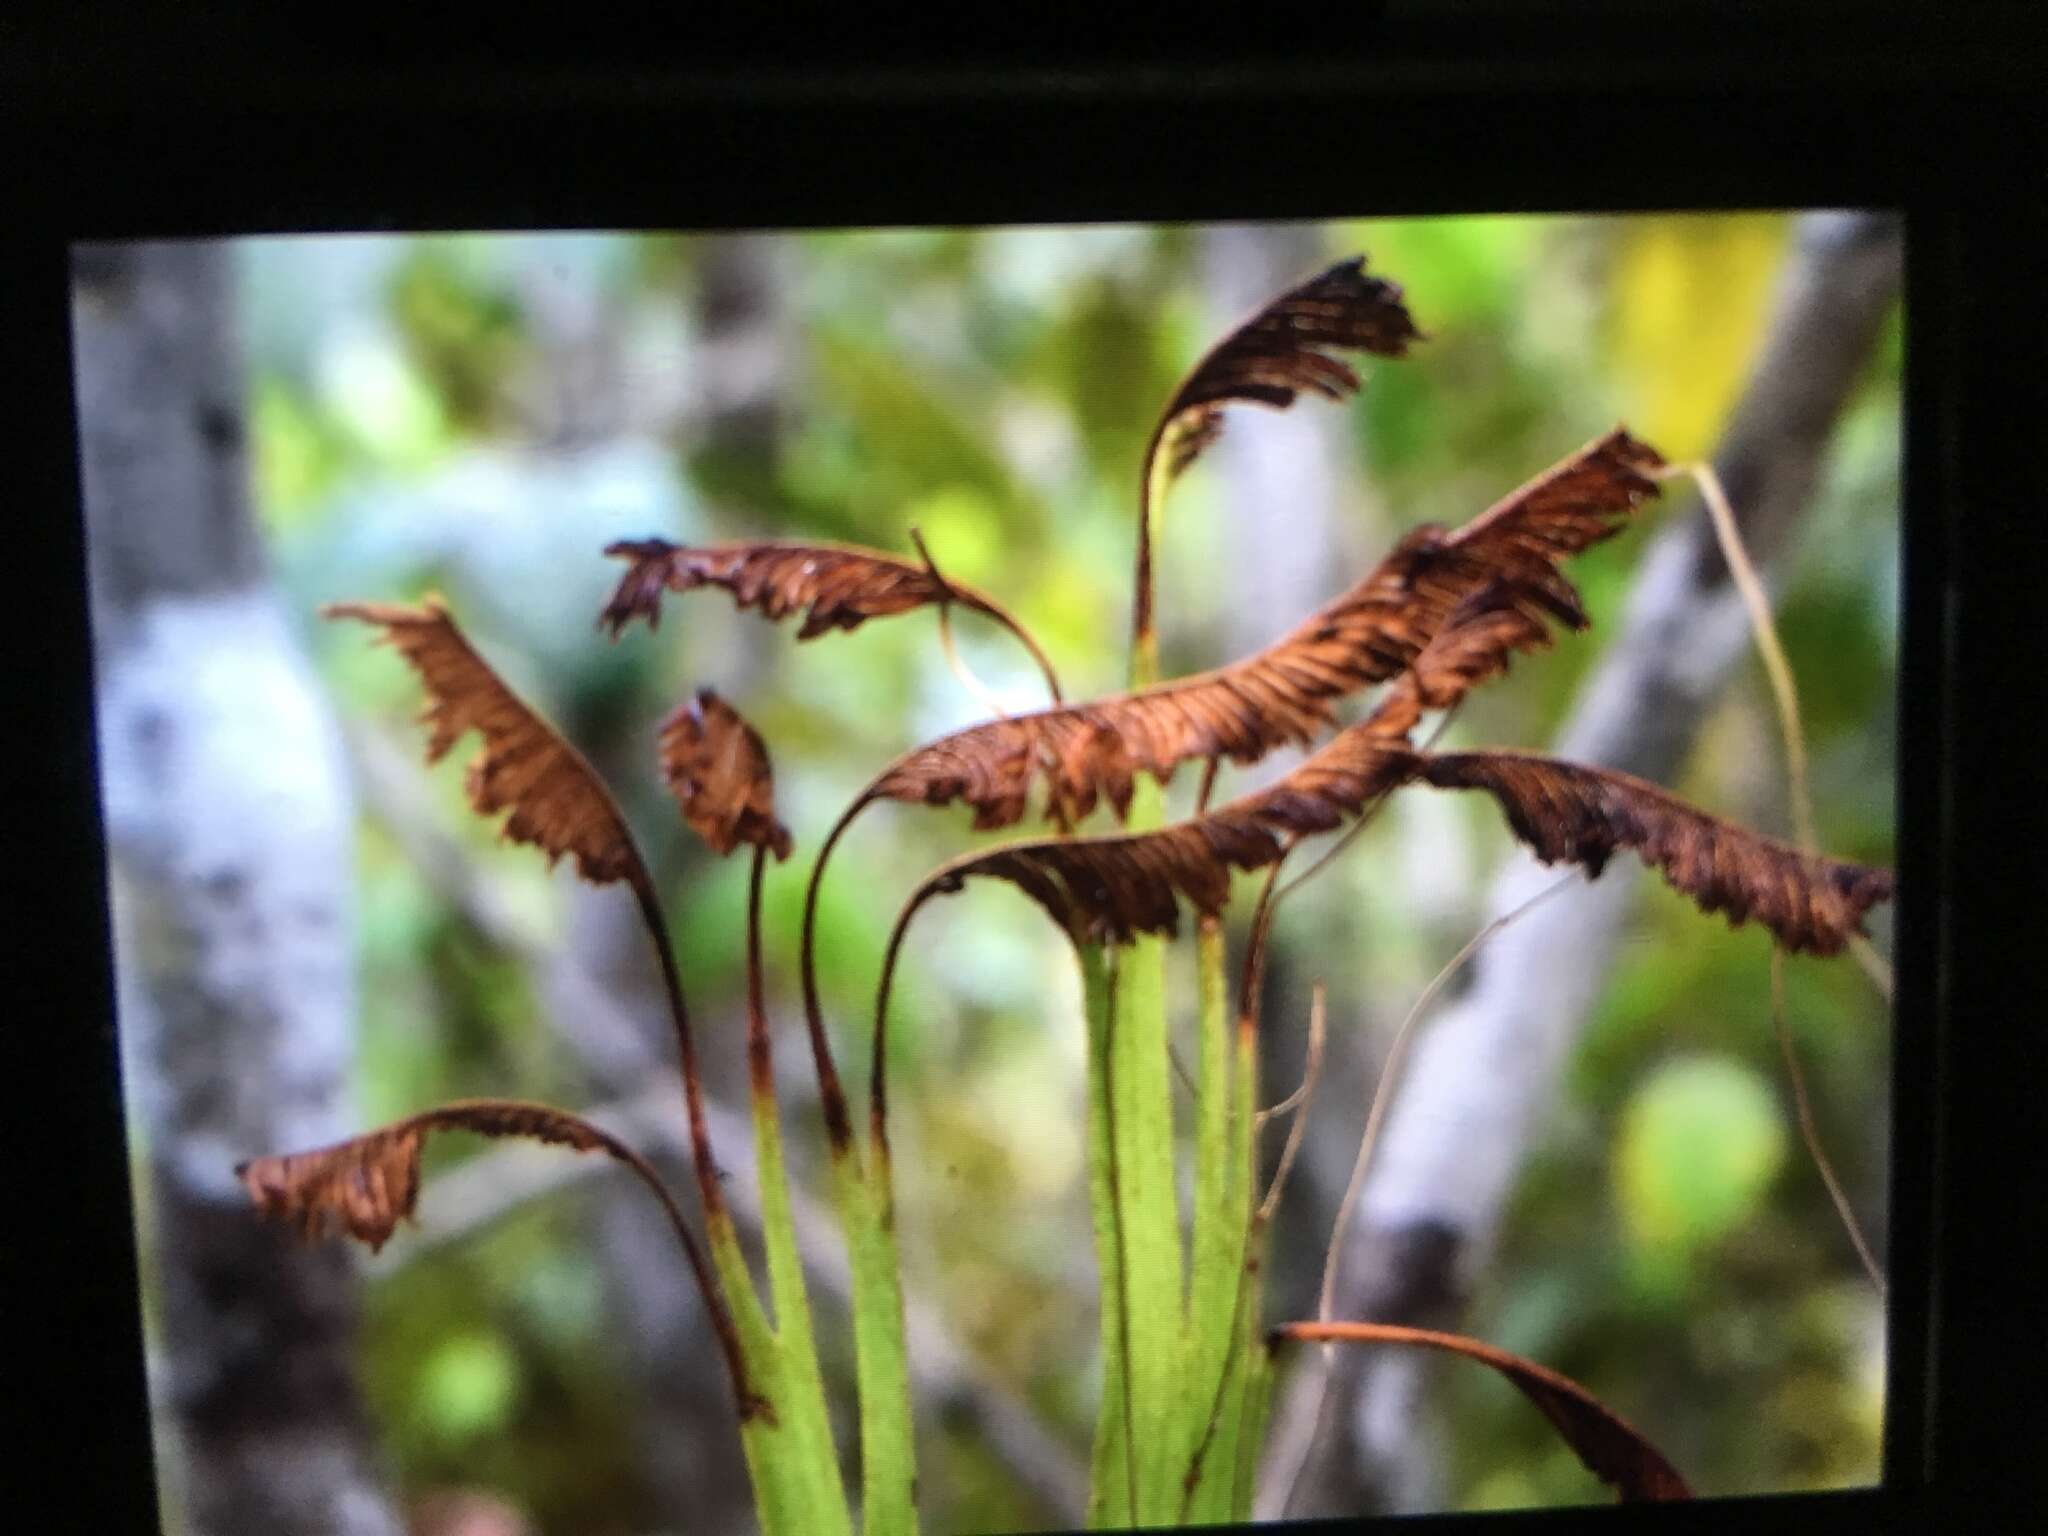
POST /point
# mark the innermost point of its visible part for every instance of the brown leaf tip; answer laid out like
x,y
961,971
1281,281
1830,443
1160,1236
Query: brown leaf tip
x,y
638,594
363,1187
717,767
551,798
1285,349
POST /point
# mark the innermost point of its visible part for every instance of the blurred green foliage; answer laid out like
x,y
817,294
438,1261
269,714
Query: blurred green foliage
x,y
1670,1245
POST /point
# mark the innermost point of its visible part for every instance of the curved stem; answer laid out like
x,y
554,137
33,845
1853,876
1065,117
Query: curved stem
x,y
1810,1132
1383,1095
452,1116
706,1165
988,607
1255,946
831,1095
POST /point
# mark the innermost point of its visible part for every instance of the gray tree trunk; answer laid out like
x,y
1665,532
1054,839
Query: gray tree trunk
x,y
1484,1072
228,836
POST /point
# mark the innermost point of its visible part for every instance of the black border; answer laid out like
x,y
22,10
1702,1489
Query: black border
x,y
1475,106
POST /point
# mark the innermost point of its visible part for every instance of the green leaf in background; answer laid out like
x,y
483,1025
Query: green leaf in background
x,y
1699,1145
469,1386
462,330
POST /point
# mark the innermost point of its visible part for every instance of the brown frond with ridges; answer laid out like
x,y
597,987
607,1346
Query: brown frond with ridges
x,y
1110,889
833,586
1476,643
368,1184
1283,694
1269,359
1283,350
555,800
1568,813
717,768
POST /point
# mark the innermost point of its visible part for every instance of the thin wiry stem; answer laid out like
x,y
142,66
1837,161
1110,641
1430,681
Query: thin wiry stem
x,y
831,1095
1810,1132
1785,694
983,604
1784,689
1318,1019
1382,1096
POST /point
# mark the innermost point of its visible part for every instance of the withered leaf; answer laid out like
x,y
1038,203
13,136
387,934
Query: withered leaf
x,y
1110,889
368,1184
1611,1448
1476,644
555,800
835,586
717,768
1569,813
1282,350
1283,694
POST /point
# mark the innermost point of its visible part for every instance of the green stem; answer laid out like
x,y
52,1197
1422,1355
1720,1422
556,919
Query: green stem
x,y
811,1456
1111,1493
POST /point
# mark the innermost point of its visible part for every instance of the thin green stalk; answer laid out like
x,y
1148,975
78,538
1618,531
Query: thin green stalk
x,y
807,1421
1111,1490
1217,1236
1148,1204
1255,1358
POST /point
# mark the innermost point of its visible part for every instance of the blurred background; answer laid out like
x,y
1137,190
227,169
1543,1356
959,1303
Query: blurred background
x,y
1594,1156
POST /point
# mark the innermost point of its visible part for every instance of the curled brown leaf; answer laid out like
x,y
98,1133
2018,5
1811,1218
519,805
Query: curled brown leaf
x,y
1567,812
1282,350
368,1184
834,586
554,799
717,768
1268,359
1611,1448
1110,889
1475,644
1282,695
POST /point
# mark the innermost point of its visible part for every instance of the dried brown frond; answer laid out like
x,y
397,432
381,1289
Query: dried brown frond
x,y
368,1184
1283,695
1110,889
834,586
1566,812
1475,645
717,768
1611,1448
1282,350
555,800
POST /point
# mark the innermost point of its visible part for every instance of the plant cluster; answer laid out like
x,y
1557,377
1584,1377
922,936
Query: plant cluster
x,y
1188,1362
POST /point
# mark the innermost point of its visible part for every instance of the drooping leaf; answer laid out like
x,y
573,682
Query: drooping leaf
x,y
834,586
1282,350
1269,359
368,1184
1110,889
555,800
1283,694
1569,813
1475,645
717,768
1612,1449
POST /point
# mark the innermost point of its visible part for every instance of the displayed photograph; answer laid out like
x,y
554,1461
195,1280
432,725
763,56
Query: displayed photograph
x,y
1000,879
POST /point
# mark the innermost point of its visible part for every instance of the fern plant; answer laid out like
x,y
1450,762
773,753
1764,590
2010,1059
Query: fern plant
x,y
1188,1356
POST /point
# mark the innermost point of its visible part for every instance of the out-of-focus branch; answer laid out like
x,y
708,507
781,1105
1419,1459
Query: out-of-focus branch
x,y
1485,1073
494,1185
